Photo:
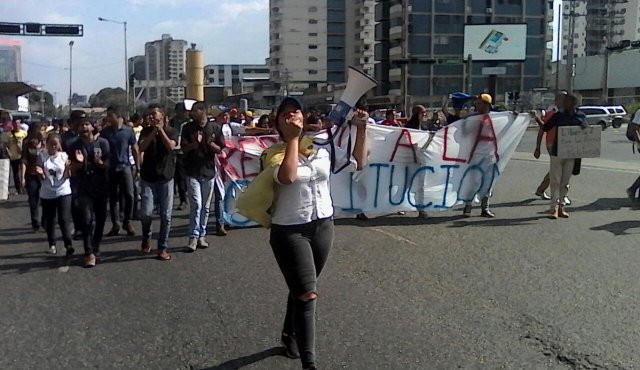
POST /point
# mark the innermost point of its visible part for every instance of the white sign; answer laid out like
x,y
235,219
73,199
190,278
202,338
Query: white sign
x,y
23,104
578,142
407,170
495,41
494,71
4,179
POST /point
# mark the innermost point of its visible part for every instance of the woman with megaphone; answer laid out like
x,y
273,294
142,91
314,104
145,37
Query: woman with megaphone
x,y
300,215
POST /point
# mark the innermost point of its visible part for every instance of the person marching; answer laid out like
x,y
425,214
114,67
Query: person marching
x,y
31,148
13,145
55,192
302,222
122,141
157,142
177,122
201,141
561,169
90,167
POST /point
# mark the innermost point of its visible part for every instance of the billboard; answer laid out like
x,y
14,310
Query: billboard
x,y
495,41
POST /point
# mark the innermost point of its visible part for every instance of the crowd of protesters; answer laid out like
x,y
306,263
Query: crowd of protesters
x,y
128,168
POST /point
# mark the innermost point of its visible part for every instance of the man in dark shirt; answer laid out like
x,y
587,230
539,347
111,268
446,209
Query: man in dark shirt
x,y
177,123
90,166
201,141
67,139
561,169
122,141
157,144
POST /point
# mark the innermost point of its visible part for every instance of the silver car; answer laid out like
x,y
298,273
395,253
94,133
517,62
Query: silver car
x,y
598,116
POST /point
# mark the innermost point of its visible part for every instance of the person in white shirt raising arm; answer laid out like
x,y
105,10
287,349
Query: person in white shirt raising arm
x,y
302,222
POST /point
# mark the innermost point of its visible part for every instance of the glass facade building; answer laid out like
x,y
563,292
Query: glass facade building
x,y
427,30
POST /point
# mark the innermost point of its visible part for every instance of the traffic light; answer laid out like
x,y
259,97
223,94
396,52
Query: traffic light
x,y
37,29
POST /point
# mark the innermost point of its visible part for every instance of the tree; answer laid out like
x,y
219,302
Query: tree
x,y
109,96
35,102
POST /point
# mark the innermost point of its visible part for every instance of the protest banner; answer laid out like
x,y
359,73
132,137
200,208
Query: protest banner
x,y
407,169
578,142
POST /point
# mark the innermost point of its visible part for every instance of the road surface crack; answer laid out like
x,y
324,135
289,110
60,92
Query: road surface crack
x,y
548,339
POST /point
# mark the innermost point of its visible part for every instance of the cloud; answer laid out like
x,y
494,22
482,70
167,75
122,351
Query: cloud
x,y
236,9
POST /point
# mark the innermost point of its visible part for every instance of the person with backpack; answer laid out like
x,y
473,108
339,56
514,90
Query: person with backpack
x,y
633,134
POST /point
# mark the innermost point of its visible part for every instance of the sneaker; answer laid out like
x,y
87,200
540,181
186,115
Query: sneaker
x,y
402,213
182,206
145,247
202,243
129,229
193,244
220,230
52,249
467,211
423,214
487,213
115,230
631,194
69,251
90,261
164,255
543,195
77,235
361,217
290,346
567,201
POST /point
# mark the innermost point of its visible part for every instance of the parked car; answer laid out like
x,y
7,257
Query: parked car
x,y
618,114
598,116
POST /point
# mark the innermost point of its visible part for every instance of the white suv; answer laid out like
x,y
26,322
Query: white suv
x,y
598,116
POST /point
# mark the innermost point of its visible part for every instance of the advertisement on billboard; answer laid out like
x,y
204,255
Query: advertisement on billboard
x,y
495,41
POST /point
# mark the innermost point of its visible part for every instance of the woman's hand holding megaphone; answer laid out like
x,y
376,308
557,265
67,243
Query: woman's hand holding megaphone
x,y
360,118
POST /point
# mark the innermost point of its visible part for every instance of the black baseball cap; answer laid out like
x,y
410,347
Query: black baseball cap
x,y
288,101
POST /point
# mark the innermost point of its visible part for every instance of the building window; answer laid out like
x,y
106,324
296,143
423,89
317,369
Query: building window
x,y
313,34
313,21
313,9
313,72
313,46
313,59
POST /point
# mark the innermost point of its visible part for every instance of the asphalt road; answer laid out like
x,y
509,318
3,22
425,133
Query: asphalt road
x,y
515,292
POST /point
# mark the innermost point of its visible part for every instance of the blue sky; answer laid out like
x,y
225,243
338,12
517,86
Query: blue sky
x,y
228,31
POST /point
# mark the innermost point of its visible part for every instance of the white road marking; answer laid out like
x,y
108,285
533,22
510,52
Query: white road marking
x,y
394,236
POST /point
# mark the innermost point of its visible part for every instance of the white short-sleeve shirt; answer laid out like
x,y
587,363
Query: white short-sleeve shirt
x,y
55,184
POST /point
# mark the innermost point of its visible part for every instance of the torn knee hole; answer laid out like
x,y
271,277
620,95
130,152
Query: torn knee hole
x,y
309,296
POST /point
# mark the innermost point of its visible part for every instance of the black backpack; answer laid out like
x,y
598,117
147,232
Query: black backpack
x,y
632,129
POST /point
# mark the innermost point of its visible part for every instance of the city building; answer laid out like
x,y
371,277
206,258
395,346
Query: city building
x,y
10,61
428,36
163,71
313,42
236,78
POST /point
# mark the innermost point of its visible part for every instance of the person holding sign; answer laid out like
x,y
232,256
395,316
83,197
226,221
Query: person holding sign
x,y
302,220
561,169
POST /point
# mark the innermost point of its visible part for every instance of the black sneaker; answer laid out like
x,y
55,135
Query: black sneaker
x,y
129,229
487,213
290,346
467,211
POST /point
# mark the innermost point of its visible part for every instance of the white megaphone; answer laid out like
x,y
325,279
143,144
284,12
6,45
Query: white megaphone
x,y
358,83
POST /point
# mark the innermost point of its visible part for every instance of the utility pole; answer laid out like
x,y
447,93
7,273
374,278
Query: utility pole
x,y
559,47
570,49
70,74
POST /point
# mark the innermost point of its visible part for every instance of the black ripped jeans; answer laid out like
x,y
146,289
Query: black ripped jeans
x,y
302,252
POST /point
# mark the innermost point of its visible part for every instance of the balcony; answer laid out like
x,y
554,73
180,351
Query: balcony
x,y
395,33
395,52
396,10
395,92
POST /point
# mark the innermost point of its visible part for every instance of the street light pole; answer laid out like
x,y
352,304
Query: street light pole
x,y
126,59
70,74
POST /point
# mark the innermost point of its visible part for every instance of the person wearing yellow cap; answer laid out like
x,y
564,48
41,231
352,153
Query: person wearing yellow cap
x,y
483,104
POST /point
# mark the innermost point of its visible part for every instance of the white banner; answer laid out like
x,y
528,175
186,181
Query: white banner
x,y
578,142
407,169
4,179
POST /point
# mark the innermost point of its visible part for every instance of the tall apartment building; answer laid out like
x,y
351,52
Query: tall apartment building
x,y
598,23
164,69
236,78
10,61
434,29
312,42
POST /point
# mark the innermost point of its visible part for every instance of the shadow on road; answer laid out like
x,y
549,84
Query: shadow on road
x,y
619,228
248,360
605,204
499,222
